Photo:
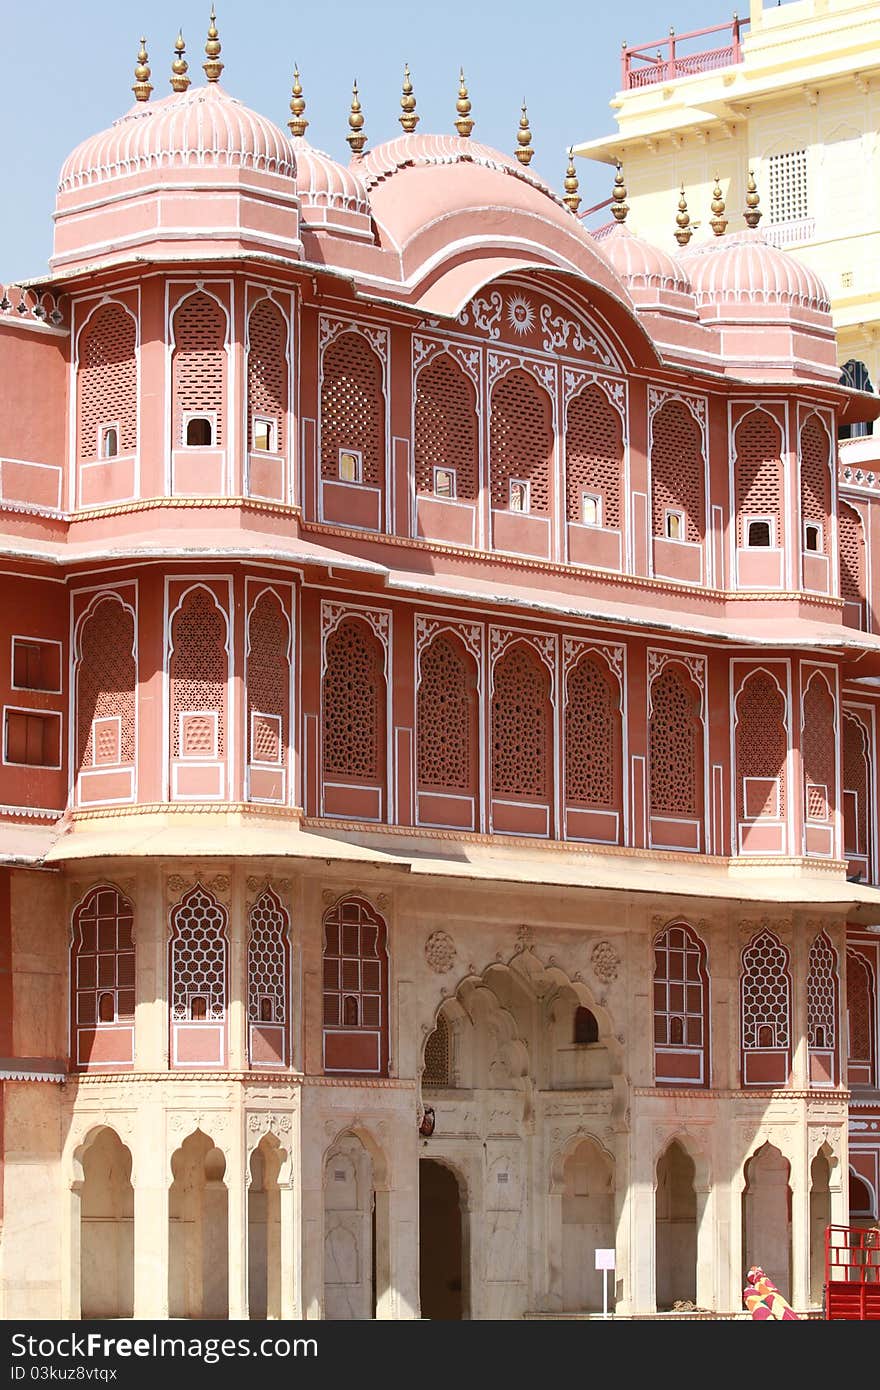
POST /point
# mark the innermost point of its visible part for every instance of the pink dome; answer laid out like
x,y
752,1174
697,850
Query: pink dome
x,y
744,268
418,151
330,194
203,127
654,278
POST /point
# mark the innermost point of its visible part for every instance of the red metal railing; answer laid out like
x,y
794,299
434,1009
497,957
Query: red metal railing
x,y
668,59
852,1274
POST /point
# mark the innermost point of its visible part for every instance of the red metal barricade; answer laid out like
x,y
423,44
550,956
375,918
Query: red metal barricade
x,y
852,1273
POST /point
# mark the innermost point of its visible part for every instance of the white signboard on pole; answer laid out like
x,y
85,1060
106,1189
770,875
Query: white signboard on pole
x,y
605,1261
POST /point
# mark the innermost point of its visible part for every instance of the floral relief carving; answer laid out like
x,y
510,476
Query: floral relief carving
x,y
558,330
694,665
573,648
470,634
485,313
605,961
658,396
440,952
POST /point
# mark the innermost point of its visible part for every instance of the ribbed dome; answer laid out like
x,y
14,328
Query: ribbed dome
x,y
416,151
203,127
745,268
648,272
330,194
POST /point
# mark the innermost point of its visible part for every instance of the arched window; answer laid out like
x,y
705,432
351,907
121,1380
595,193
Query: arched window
x,y
446,431
681,1008
586,1027
522,725
758,472
197,680
815,486
677,474
106,685
819,751
102,980
593,740
855,375
857,782
520,445
861,1004
822,1006
267,378
675,746
198,372
761,749
268,698
353,705
593,460
355,989
352,412
447,722
198,962
765,998
436,1070
851,543
268,967
107,385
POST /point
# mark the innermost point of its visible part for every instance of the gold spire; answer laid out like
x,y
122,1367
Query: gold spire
x,y
572,197
684,230
524,149
752,213
718,222
409,120
463,123
213,67
298,120
142,84
619,205
356,137
180,67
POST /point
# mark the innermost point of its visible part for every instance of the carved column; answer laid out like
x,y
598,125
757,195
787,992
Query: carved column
x,y
151,1176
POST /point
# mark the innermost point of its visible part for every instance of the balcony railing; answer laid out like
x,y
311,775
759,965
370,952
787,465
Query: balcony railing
x,y
670,58
791,233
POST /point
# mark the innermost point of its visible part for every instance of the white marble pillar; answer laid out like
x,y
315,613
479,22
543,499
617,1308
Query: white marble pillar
x,y
70,1252
237,1178
288,1255
151,1177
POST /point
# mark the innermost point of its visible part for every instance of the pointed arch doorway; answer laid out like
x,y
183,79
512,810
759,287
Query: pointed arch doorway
x,y
442,1244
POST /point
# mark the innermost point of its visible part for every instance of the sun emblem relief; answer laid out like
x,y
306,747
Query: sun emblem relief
x,y
520,315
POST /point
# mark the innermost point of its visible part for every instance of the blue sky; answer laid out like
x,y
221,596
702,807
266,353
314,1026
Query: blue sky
x,y
67,73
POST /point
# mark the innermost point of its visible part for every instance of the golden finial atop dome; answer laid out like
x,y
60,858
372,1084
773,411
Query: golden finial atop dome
x,y
142,84
298,120
213,66
752,213
619,205
572,197
463,123
718,222
356,137
179,67
408,117
684,230
524,149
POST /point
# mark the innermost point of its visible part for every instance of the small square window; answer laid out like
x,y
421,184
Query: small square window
x,y
592,509
350,465
109,441
760,533
519,496
444,482
199,432
812,536
36,665
264,435
673,525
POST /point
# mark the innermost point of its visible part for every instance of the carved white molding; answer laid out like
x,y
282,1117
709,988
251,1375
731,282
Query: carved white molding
x,y
426,350
485,313
501,638
574,648
558,330
694,665
330,329
469,634
377,619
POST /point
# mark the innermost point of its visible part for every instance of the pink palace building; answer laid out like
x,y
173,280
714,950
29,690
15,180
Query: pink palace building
x,y
440,669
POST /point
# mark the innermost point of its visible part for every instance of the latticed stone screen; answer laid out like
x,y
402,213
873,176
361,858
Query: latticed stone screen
x,y
267,960
107,380
819,750
856,780
447,717
355,966
268,681
592,736
675,745
521,440
822,994
851,541
815,478
593,455
106,686
198,363
353,716
436,1071
677,470
522,725
860,1002
103,958
446,427
759,474
267,370
766,994
761,744
198,958
198,677
352,407
680,994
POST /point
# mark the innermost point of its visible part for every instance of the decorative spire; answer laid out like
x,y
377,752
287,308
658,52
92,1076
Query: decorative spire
x,y
409,120
142,84
298,120
213,67
524,149
179,67
356,137
463,123
619,205
752,213
718,222
683,222
572,197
